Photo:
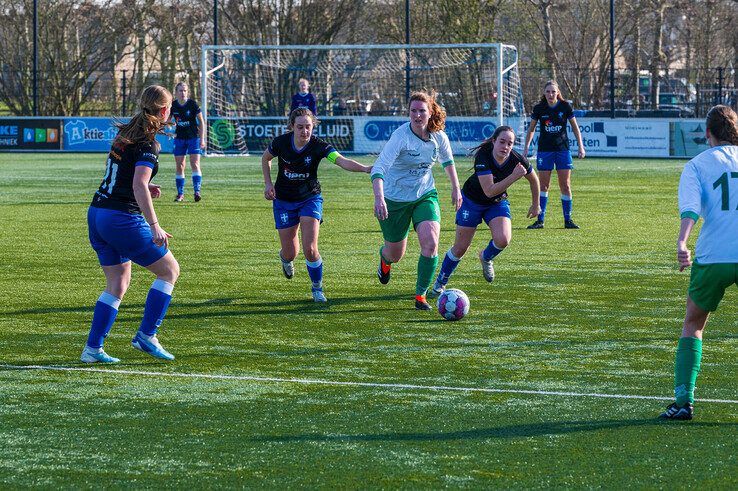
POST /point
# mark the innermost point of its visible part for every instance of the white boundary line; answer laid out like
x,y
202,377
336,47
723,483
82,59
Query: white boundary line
x,y
353,384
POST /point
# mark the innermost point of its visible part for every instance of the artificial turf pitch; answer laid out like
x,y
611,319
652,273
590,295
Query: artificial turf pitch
x,y
272,390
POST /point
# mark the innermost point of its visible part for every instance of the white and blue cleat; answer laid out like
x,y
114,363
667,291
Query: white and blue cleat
x,y
96,355
151,346
319,296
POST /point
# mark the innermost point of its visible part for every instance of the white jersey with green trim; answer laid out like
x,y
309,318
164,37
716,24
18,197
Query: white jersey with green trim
x,y
406,161
709,188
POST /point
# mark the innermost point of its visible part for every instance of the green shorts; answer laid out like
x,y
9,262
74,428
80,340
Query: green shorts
x,y
397,225
708,282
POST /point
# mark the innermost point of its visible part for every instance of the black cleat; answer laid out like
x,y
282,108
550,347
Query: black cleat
x,y
678,412
198,196
421,303
383,277
570,224
536,225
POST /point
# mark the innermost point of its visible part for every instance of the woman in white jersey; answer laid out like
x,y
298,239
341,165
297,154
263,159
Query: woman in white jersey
x,y
708,188
405,193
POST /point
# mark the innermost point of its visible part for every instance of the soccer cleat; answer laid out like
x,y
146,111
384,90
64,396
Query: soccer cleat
x,y
436,290
678,412
570,224
383,273
198,196
488,269
150,345
421,303
536,225
96,355
319,296
288,268
179,198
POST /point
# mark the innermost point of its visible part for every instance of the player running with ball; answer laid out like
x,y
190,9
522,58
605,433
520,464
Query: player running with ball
x,y
405,192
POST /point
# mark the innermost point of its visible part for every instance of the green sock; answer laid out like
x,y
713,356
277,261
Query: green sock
x,y
686,368
426,271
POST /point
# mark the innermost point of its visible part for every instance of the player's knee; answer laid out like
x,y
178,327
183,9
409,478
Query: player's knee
x,y
311,253
459,250
502,242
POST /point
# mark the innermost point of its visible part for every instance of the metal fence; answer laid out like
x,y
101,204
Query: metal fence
x,y
681,93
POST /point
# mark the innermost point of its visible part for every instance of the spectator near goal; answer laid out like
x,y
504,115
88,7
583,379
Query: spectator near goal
x,y
303,98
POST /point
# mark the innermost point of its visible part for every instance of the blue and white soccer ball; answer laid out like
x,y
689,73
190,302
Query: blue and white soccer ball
x,y
453,304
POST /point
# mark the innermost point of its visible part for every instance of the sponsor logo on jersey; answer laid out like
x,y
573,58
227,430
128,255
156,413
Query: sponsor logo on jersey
x,y
296,175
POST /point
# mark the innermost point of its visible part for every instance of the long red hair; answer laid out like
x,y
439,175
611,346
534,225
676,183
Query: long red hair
x,y
437,120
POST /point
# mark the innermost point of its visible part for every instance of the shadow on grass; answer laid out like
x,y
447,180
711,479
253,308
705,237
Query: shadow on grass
x,y
503,432
302,306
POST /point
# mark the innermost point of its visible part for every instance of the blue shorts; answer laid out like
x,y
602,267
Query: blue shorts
x,y
471,214
287,213
118,237
561,160
183,146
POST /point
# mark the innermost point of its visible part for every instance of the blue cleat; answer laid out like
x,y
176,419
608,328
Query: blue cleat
x,y
96,355
150,345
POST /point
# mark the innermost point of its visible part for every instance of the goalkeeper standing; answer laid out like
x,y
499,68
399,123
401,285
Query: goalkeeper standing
x,y
405,193
707,188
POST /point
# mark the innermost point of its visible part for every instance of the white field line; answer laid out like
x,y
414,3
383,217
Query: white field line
x,y
353,384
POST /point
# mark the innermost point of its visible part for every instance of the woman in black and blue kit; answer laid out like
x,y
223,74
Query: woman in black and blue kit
x,y
189,138
296,198
496,167
123,227
553,148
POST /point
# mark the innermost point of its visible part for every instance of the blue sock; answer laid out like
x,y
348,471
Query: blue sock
x,y
157,302
544,201
566,206
106,309
491,251
315,271
180,180
196,181
447,267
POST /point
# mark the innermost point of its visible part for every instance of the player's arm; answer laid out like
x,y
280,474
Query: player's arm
x,y
266,169
456,198
492,188
684,256
347,164
202,129
690,206
578,136
535,194
446,156
141,178
386,159
529,135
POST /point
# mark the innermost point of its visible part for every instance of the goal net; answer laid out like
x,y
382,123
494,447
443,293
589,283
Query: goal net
x,y
361,92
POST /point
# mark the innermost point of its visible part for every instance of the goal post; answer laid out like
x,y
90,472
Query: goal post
x,y
361,91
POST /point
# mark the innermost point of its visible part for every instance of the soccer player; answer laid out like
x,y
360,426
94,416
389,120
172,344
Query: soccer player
x,y
405,193
296,198
303,98
123,227
189,138
708,188
553,148
496,167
